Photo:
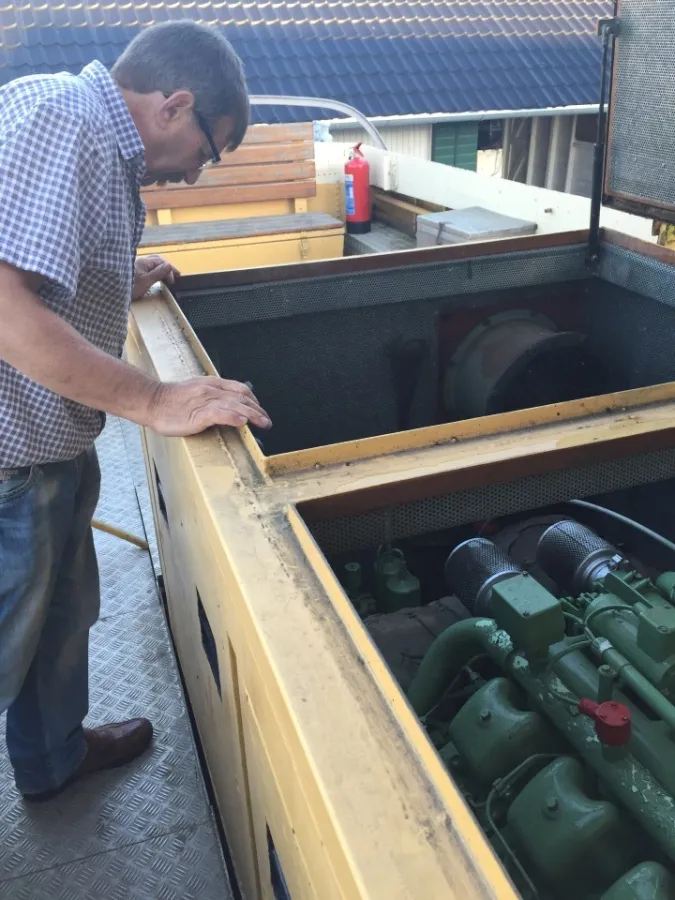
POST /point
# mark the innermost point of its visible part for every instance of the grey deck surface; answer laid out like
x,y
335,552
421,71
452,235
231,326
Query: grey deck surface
x,y
222,229
146,831
381,239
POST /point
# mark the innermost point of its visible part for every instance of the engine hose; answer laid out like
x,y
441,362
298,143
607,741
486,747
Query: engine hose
x,y
449,653
624,520
630,781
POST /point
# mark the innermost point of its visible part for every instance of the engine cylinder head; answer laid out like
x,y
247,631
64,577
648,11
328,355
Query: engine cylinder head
x,y
474,568
575,557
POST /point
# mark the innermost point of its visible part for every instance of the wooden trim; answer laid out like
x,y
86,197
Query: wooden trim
x,y
469,429
637,245
350,265
236,193
383,496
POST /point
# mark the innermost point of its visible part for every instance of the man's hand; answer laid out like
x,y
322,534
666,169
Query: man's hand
x,y
189,407
148,270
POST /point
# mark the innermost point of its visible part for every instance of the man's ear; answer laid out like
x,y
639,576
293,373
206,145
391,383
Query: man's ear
x,y
175,107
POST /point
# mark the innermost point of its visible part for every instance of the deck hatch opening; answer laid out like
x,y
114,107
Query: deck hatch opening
x,y
160,494
279,886
209,643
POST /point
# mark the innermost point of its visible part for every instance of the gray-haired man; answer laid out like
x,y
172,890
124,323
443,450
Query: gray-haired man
x,y
74,151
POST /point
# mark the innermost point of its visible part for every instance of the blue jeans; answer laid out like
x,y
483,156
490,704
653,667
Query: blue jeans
x,y
49,599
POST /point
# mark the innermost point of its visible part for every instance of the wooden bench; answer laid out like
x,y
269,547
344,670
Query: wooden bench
x,y
258,195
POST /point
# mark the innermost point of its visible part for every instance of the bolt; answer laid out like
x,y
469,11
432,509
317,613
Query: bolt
x,y
606,670
664,629
485,715
625,718
552,804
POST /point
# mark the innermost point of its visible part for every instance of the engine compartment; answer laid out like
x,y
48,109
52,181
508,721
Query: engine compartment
x,y
538,651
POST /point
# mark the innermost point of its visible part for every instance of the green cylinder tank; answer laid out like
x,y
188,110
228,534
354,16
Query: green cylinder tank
x,y
648,881
401,591
352,581
387,563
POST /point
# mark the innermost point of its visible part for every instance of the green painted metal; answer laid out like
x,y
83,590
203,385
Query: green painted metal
x,y
452,649
494,731
455,144
629,781
352,580
577,844
531,615
648,881
566,826
644,631
401,591
388,562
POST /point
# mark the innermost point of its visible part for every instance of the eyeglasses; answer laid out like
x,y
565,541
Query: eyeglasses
x,y
215,155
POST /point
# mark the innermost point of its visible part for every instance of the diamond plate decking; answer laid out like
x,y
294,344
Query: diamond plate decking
x,y
144,832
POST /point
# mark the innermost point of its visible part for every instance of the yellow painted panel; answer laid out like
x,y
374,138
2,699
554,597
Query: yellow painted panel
x,y
328,199
217,717
337,751
265,250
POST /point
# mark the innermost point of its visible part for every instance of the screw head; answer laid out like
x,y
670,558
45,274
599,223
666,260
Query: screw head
x,y
552,804
485,715
664,629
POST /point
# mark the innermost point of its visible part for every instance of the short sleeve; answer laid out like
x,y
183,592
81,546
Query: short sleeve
x,y
50,195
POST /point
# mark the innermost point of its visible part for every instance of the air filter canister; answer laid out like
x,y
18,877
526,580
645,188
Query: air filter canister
x,y
473,569
575,557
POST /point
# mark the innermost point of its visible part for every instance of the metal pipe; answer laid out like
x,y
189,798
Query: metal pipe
x,y
487,115
649,742
607,30
322,103
654,699
630,781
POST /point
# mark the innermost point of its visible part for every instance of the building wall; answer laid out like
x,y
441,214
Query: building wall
x,y
413,140
551,152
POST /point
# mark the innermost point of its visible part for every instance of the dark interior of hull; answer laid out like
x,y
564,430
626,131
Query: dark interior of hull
x,y
342,357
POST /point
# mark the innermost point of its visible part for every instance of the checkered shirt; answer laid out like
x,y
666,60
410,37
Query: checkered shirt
x,y
71,164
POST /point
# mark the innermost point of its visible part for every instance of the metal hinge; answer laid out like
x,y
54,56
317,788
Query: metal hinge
x,y
304,248
610,26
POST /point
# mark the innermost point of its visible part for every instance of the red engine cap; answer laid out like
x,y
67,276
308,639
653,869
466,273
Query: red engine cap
x,y
612,721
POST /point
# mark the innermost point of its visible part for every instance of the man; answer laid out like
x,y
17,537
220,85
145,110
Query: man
x,y
74,151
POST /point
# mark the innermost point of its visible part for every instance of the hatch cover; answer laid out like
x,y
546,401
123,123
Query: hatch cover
x,y
640,170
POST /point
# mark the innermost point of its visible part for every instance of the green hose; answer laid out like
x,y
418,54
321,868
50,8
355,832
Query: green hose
x,y
449,653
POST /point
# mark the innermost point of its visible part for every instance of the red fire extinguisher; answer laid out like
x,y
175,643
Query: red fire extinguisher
x,y
357,192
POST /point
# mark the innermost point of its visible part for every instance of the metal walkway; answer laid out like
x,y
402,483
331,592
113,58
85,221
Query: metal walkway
x,y
144,832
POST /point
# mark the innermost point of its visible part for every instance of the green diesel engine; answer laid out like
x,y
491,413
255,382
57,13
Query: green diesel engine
x,y
561,724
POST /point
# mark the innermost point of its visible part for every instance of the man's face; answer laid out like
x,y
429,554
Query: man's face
x,y
182,142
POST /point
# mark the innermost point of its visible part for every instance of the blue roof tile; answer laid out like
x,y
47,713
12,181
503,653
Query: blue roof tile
x,y
386,57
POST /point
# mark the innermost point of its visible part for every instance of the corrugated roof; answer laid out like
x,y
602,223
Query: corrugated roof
x,y
386,57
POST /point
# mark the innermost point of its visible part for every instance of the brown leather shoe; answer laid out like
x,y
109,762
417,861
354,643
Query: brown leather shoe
x,y
108,747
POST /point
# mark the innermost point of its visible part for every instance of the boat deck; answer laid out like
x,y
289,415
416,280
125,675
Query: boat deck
x,y
146,831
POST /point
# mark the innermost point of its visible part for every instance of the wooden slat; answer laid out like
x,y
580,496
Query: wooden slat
x,y
279,134
255,154
224,176
207,195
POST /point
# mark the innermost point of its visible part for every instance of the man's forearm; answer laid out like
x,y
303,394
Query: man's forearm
x,y
41,345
